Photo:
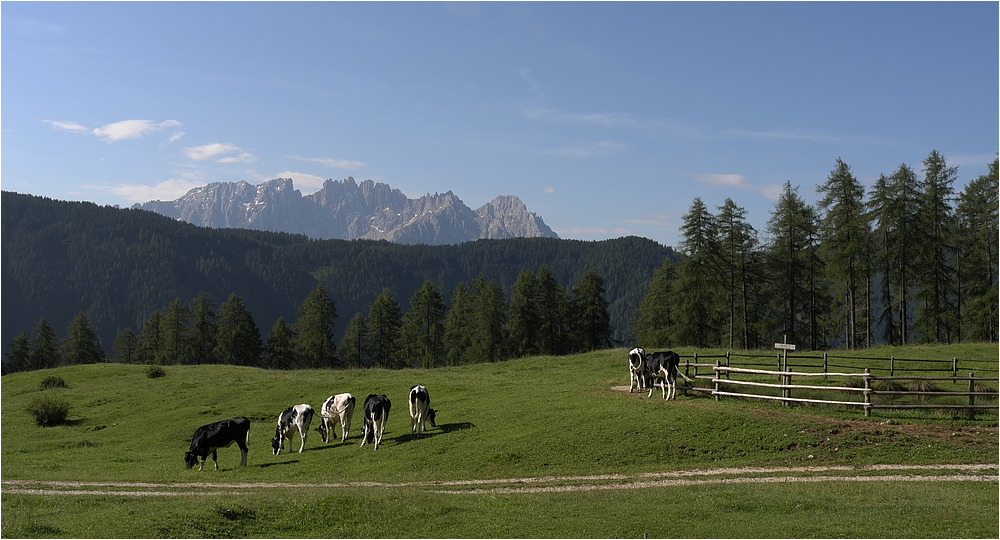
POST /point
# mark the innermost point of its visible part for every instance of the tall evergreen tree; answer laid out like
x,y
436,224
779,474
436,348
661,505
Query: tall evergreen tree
x,y
314,330
279,349
522,323
844,245
698,290
489,319
353,350
81,345
736,261
977,279
45,347
125,349
237,339
149,339
175,346
590,309
202,329
457,325
654,327
19,355
794,270
553,313
384,321
422,330
935,314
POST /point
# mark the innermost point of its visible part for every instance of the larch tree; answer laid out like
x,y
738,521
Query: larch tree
x,y
935,313
384,322
237,339
590,312
279,348
655,322
81,345
314,329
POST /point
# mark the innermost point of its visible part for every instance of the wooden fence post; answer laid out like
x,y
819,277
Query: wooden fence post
x,y
727,363
868,398
954,366
892,366
826,363
972,399
718,364
786,380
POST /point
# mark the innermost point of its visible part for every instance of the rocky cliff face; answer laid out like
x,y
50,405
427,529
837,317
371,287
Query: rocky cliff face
x,y
349,210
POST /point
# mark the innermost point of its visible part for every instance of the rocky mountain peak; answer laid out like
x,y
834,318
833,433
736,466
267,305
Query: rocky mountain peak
x,y
348,209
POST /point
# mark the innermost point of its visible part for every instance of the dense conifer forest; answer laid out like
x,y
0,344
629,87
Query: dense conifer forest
x,y
117,268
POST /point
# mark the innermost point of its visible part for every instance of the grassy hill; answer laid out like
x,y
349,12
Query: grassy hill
x,y
543,416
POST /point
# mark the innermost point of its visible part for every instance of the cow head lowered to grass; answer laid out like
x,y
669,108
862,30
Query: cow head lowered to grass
x,y
222,434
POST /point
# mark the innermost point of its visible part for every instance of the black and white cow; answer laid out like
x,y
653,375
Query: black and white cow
x,y
637,369
420,410
294,418
338,408
376,410
222,434
663,366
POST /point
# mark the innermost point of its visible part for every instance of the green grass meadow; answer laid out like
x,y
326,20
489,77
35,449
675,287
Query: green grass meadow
x,y
529,418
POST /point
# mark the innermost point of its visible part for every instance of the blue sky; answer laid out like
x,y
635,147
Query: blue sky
x,y
606,119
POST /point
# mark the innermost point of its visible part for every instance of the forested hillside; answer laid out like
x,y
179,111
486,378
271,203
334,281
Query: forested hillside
x,y
120,265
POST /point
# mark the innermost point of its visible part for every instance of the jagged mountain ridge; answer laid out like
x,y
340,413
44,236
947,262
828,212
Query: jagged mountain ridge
x,y
350,210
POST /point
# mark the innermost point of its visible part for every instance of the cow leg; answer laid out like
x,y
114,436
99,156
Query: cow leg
x,y
244,451
303,433
215,459
344,428
202,464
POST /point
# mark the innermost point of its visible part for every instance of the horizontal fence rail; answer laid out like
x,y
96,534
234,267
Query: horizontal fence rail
x,y
759,374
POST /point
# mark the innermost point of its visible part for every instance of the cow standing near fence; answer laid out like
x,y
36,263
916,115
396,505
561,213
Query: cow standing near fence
x,y
663,366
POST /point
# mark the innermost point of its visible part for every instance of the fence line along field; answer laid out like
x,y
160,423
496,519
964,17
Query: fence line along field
x,y
504,424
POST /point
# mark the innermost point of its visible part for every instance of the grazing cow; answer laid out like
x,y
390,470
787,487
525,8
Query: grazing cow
x,y
376,410
222,434
637,369
420,410
663,365
294,418
338,408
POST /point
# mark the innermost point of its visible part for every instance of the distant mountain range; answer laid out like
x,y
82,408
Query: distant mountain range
x,y
349,210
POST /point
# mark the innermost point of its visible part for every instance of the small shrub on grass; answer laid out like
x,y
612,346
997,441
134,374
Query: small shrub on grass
x,y
922,386
52,382
48,411
154,371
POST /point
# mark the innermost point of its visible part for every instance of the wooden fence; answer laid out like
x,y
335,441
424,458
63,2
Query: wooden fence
x,y
874,391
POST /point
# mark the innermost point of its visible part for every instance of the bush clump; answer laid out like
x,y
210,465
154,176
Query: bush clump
x,y
52,382
48,411
153,371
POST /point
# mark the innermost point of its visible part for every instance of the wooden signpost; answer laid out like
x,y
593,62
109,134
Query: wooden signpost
x,y
785,379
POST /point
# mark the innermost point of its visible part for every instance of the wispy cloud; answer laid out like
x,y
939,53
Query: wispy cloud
x,y
589,149
653,220
72,127
549,190
332,163
176,136
738,181
304,182
209,151
131,129
242,158
809,136
166,190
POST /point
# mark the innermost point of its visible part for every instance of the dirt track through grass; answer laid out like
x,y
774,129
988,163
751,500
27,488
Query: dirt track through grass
x,y
545,484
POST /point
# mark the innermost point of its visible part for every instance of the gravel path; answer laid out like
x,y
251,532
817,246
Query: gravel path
x,y
544,484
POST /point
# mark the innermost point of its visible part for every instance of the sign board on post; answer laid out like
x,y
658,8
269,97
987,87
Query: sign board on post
x,y
785,346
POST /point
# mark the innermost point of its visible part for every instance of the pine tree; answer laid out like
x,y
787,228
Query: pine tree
x,y
202,329
935,315
654,327
522,324
19,355
845,244
353,349
591,313
175,345
81,345
314,330
736,246
45,347
237,339
279,349
978,232
489,319
422,331
457,324
125,349
384,321
553,314
149,339
697,286
794,270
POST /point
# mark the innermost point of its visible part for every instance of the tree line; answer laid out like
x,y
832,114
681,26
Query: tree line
x,y
910,261
478,326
